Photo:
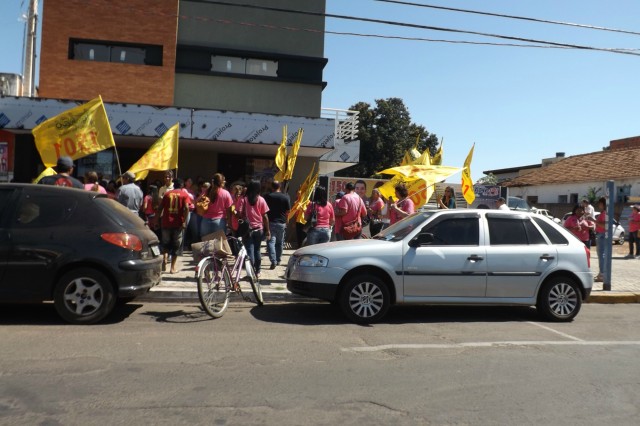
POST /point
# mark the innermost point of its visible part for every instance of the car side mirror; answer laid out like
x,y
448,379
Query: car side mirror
x,y
421,239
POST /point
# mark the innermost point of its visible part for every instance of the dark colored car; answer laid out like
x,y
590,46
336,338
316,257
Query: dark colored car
x,y
78,248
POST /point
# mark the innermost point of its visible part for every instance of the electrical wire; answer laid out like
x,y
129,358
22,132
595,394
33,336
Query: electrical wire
x,y
500,15
419,26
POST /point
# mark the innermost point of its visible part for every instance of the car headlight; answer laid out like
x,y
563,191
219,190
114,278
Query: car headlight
x,y
313,260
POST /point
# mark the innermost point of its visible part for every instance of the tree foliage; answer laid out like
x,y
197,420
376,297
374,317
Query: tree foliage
x,y
386,133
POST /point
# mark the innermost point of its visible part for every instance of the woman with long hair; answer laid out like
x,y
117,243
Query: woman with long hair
x,y
376,204
218,215
448,201
253,208
320,231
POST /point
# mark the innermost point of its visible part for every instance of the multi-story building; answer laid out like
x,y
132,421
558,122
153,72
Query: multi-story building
x,y
232,74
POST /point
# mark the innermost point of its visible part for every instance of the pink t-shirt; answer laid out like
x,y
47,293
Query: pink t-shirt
x,y
324,215
218,208
376,208
354,205
634,221
572,223
405,205
254,213
89,187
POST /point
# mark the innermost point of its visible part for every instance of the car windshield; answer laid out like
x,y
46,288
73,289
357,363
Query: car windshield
x,y
401,229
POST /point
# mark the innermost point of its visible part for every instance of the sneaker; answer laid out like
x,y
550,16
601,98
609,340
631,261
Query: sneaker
x,y
278,263
273,266
629,256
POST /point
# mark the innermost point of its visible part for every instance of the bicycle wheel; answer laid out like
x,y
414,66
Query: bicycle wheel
x,y
253,280
214,285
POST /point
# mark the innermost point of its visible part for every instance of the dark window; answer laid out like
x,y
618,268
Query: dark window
x,y
115,52
552,233
455,232
507,231
5,197
42,210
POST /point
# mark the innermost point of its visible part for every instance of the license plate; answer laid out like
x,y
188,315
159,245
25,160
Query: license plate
x,y
155,250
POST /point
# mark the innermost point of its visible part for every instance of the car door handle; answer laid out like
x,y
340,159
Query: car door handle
x,y
547,257
475,258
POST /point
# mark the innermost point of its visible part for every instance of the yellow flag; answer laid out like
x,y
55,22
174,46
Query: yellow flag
x,y
407,160
75,133
293,156
281,155
437,157
424,159
46,172
467,184
162,155
304,193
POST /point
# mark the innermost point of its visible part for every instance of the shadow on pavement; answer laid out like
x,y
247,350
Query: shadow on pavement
x,y
45,314
328,314
190,315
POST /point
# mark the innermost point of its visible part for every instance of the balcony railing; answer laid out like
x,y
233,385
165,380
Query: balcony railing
x,y
346,122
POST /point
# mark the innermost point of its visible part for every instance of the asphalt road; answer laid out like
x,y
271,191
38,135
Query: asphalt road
x,y
302,363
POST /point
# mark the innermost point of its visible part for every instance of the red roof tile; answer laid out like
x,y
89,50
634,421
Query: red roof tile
x,y
613,164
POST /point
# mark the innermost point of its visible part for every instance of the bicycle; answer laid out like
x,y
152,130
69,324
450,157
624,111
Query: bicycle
x,y
217,279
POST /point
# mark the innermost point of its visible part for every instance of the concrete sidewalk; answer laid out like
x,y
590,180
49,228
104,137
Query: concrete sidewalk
x,y
625,285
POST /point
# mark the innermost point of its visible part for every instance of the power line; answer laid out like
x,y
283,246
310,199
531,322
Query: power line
x,y
418,26
500,15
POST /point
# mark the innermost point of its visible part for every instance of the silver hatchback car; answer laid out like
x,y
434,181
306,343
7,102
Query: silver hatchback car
x,y
450,257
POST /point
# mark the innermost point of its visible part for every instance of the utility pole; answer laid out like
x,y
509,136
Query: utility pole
x,y
28,80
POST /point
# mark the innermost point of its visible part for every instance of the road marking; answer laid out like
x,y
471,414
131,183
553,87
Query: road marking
x,y
568,336
514,343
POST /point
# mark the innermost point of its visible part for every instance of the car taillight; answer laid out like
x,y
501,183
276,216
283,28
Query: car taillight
x,y
588,252
121,239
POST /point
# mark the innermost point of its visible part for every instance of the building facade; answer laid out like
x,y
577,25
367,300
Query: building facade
x,y
232,75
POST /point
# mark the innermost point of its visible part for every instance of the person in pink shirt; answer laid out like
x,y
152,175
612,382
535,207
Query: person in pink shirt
x,y
320,232
337,228
601,229
579,226
254,208
91,183
403,207
350,208
634,227
376,204
218,215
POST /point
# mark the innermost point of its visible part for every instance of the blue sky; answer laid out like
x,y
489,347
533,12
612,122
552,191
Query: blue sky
x,y
518,105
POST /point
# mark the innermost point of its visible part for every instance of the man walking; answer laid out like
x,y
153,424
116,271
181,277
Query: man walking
x,y
279,206
175,210
351,210
64,168
129,194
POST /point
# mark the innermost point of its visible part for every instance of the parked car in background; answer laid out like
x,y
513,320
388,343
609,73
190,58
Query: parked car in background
x,y
450,257
78,248
546,213
519,204
619,233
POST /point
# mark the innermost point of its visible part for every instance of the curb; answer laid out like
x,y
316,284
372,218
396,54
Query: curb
x,y
610,298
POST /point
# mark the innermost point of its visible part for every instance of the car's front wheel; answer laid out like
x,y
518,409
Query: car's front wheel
x,y
365,299
559,299
621,239
84,296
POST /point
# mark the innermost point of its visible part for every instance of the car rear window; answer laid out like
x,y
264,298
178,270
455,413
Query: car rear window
x,y
513,231
550,230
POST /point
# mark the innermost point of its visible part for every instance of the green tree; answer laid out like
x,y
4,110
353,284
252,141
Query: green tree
x,y
386,133
489,179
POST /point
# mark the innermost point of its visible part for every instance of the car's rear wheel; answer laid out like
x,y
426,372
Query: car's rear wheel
x,y
621,239
559,299
365,299
84,296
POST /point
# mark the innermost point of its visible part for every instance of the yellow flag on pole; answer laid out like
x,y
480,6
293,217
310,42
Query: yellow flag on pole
x,y
281,156
293,156
75,133
467,184
46,172
304,193
162,155
437,157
